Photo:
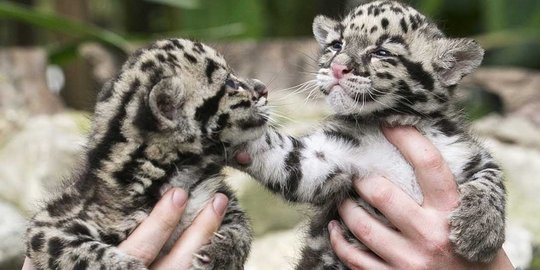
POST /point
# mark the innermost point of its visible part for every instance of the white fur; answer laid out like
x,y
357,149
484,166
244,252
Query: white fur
x,y
374,156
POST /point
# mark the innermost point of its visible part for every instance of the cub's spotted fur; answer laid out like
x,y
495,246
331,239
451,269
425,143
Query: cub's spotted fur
x,y
165,120
385,63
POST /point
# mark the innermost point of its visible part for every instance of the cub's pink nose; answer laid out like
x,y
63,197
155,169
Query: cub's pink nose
x,y
339,70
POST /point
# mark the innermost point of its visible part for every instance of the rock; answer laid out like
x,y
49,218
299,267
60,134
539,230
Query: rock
x,y
12,226
102,61
530,112
23,84
517,87
518,246
512,129
10,122
35,157
521,166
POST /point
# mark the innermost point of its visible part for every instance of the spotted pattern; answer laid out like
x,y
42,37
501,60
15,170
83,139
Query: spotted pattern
x,y
165,120
399,69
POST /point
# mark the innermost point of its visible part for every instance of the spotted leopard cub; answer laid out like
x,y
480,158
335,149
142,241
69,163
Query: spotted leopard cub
x,y
385,63
165,120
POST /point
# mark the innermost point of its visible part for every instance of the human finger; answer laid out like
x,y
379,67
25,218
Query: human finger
x,y
28,265
150,236
397,206
371,232
196,235
353,257
431,170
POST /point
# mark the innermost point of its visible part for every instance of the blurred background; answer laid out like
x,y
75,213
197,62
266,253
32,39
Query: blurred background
x,y
56,54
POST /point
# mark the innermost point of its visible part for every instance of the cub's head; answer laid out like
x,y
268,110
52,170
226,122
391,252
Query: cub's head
x,y
386,59
184,91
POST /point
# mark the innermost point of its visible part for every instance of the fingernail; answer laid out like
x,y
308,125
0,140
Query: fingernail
x,y
332,225
179,197
220,204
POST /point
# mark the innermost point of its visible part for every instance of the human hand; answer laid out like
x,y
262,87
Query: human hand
x,y
421,238
149,237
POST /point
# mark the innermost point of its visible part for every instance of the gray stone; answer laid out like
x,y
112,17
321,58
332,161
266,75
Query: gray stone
x,y
12,226
23,84
36,157
511,129
521,166
514,142
530,112
517,87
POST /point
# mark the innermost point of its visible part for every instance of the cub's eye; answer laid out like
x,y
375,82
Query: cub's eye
x,y
231,83
336,45
382,53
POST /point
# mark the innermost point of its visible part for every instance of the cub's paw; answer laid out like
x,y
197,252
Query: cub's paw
x,y
202,260
402,120
116,261
131,265
218,254
477,226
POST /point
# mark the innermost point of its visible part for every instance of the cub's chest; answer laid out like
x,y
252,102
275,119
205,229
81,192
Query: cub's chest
x,y
374,155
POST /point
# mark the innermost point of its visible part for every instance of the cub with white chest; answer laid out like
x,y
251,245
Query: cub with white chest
x,y
167,119
385,63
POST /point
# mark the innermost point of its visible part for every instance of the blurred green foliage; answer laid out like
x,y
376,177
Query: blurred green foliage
x,y
53,22
509,30
268,212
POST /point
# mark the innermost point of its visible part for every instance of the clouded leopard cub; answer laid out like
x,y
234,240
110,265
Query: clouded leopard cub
x,y
165,120
385,63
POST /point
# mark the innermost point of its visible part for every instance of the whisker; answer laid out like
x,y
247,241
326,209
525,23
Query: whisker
x,y
285,117
314,90
314,59
294,87
301,89
393,108
273,78
308,72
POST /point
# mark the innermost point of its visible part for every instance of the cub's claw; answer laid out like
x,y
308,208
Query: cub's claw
x,y
203,257
220,236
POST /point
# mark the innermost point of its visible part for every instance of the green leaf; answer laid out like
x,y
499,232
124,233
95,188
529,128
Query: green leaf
x,y
218,32
534,21
215,13
507,38
61,24
431,8
496,13
60,54
183,4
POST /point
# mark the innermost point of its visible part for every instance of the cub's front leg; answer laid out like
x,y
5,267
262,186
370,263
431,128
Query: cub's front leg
x,y
309,169
478,224
230,245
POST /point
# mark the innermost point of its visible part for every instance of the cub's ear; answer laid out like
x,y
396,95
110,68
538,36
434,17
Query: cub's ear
x,y
165,101
326,30
457,58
